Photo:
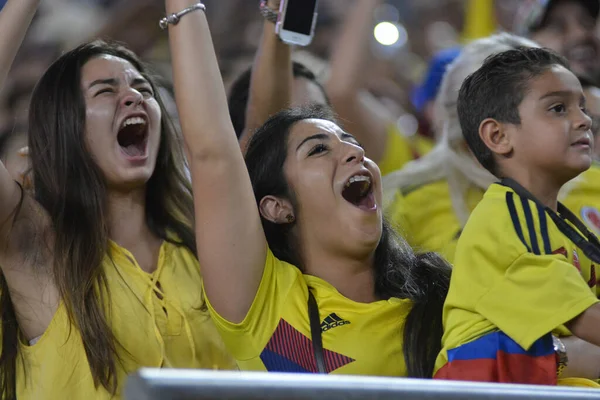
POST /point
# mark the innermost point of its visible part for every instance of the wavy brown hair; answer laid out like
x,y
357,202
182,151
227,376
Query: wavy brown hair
x,y
72,190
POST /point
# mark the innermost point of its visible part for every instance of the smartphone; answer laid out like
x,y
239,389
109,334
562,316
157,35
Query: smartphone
x,y
297,21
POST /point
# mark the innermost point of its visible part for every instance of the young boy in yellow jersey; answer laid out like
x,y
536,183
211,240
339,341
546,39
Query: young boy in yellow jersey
x,y
524,265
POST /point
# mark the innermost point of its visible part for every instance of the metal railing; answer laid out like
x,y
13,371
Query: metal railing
x,y
151,384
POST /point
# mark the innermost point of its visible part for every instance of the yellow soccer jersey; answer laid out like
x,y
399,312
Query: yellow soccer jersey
x,y
584,198
514,273
425,217
358,338
400,150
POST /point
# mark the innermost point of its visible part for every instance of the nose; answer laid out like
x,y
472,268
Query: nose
x,y
584,122
132,98
353,153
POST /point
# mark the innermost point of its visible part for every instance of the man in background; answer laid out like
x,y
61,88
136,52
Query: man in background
x,y
567,27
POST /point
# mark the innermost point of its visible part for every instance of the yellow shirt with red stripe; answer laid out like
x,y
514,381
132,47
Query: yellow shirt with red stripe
x,y
275,336
156,319
401,149
424,215
514,274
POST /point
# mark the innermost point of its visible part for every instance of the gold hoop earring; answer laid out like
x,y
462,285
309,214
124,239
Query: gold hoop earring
x,y
290,218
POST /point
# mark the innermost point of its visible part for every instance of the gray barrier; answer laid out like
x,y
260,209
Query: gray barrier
x,y
165,384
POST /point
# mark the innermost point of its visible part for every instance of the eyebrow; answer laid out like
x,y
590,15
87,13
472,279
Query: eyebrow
x,y
558,93
348,136
115,82
318,136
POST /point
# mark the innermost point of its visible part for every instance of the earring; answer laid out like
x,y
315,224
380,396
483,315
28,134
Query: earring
x,y
290,218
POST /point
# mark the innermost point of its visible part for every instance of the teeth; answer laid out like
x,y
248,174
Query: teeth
x,y
358,178
134,121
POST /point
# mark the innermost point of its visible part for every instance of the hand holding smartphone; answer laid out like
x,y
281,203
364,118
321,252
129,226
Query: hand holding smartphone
x,y
297,21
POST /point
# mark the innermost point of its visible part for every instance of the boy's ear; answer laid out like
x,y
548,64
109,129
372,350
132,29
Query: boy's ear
x,y
277,210
495,136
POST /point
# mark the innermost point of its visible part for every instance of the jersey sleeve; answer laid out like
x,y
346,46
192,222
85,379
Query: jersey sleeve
x,y
247,339
537,294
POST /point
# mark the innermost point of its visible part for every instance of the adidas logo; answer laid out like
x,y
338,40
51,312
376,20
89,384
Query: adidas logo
x,y
332,321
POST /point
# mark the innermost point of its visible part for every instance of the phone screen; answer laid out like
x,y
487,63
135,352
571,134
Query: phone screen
x,y
299,16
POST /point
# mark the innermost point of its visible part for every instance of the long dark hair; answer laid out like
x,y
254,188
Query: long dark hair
x,y
72,190
399,271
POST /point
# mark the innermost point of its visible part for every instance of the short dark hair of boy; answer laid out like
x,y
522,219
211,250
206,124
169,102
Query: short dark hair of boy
x,y
496,90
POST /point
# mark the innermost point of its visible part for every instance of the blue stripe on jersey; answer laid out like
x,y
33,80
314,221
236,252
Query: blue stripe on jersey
x,y
510,202
544,230
530,226
489,345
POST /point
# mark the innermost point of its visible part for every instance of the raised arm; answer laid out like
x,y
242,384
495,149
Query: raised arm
x,y
271,82
231,243
15,19
362,115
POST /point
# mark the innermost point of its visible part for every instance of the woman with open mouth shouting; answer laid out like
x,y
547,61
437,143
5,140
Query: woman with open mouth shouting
x,y
99,273
301,272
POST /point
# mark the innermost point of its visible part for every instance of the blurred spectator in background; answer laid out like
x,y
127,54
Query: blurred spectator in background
x,y
567,27
273,83
423,96
365,116
306,89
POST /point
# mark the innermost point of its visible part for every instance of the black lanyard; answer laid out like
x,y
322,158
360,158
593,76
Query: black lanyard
x,y
588,242
315,332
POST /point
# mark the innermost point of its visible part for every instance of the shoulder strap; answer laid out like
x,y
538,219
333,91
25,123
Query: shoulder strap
x,y
315,332
588,244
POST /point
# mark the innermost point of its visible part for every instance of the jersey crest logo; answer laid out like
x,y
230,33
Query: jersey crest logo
x,y
591,217
332,321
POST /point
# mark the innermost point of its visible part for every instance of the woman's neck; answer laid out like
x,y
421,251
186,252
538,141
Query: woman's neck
x,y
353,278
127,217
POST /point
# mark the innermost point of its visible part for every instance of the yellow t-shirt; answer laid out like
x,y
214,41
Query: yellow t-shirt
x,y
156,318
400,150
515,274
584,198
358,338
424,215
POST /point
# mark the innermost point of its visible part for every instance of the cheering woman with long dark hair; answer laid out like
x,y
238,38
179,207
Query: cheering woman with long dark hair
x,y
99,273
301,272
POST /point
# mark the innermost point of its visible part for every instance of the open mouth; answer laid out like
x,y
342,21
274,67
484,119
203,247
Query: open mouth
x,y
133,137
359,192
